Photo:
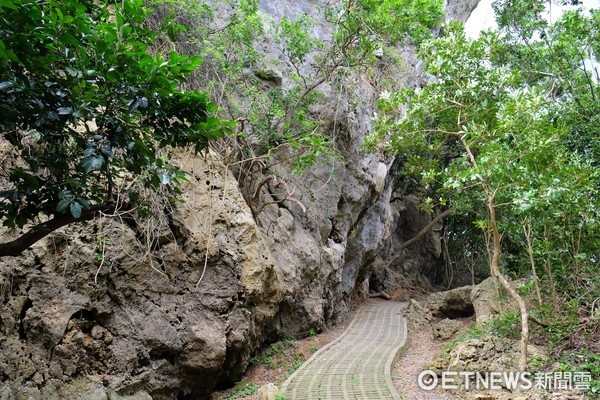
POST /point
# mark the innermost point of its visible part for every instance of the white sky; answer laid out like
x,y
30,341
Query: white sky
x,y
483,16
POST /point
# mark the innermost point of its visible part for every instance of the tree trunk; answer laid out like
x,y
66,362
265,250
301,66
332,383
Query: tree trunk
x,y
40,231
495,269
528,238
425,229
495,261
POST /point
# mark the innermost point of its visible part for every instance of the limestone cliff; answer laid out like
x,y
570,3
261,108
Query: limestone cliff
x,y
90,313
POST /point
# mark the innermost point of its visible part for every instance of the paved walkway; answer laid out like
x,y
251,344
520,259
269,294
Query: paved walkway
x,y
356,366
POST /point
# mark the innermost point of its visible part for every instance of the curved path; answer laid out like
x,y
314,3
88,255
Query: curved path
x,y
357,365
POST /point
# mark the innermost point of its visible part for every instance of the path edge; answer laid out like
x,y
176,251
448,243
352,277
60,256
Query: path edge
x,y
323,349
393,358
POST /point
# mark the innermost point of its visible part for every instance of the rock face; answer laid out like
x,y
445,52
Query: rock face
x,y
455,303
174,322
490,353
93,313
491,300
417,316
268,392
418,265
486,355
460,10
446,328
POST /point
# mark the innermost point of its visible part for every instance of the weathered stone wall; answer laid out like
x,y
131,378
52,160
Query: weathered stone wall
x,y
144,323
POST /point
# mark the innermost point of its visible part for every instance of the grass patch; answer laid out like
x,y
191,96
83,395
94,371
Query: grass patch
x,y
276,354
242,389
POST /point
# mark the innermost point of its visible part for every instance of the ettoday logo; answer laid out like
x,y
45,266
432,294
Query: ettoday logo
x,y
497,380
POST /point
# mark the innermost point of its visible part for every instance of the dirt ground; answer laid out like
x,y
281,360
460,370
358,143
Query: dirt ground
x,y
421,350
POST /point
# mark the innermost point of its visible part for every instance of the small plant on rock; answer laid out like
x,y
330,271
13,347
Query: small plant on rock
x,y
242,389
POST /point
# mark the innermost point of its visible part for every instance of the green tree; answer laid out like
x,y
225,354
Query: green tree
x,y
488,141
83,105
562,58
274,111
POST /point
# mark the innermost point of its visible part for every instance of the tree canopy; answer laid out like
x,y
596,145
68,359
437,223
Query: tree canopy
x,y
84,105
505,132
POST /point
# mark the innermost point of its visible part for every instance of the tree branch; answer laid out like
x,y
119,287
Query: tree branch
x,y
424,230
540,323
40,231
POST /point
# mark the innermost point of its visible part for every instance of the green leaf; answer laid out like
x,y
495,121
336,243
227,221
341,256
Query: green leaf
x,y
164,179
141,102
76,209
65,194
5,84
84,202
64,110
62,205
84,62
8,4
90,150
93,163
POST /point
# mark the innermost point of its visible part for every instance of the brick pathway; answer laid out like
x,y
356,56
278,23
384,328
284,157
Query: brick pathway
x,y
358,364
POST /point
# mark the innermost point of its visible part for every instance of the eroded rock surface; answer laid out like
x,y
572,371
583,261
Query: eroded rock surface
x,y
446,328
455,303
490,299
147,320
484,355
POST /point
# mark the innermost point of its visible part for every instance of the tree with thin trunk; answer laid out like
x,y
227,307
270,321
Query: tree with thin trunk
x,y
483,138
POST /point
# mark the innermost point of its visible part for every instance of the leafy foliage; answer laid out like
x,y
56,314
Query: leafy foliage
x,y
405,20
242,389
561,58
275,355
272,90
507,124
275,113
503,133
84,104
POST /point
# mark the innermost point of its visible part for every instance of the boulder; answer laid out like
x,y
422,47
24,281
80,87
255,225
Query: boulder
x,y
148,321
490,353
455,303
490,300
268,392
417,316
